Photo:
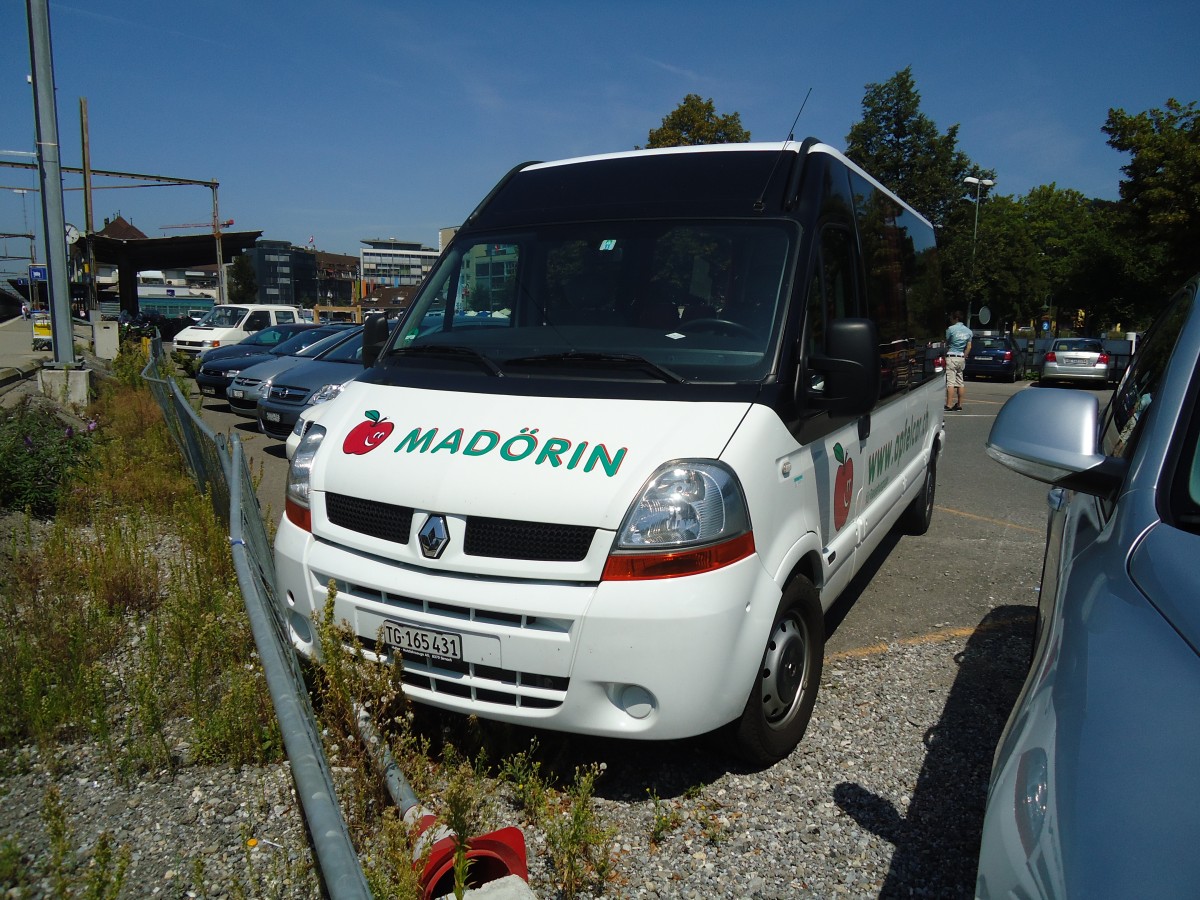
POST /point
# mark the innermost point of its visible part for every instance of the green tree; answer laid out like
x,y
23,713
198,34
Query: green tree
x,y
903,148
997,268
1080,260
695,121
1160,194
243,286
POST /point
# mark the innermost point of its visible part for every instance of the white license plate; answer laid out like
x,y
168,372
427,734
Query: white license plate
x,y
211,392
271,416
407,639
1076,362
236,395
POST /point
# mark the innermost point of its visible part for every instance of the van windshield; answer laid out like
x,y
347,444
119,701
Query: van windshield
x,y
224,316
674,301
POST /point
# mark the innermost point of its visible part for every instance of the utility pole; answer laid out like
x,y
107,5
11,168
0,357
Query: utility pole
x,y
88,209
50,176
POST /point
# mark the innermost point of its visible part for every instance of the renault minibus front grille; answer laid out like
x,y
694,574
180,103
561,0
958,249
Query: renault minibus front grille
x,y
385,521
513,539
494,538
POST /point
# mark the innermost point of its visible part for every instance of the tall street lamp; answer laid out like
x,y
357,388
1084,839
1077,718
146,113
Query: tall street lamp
x,y
980,184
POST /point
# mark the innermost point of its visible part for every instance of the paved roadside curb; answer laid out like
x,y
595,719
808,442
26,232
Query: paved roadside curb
x,y
11,374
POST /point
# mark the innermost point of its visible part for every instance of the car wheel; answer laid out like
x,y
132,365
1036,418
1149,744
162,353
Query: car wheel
x,y
785,690
918,516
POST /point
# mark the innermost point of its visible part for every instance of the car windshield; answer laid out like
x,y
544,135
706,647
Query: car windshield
x,y
224,316
349,350
674,301
314,350
267,337
302,339
991,343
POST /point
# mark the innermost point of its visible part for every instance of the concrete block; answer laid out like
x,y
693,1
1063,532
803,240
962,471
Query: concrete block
x,y
106,339
69,387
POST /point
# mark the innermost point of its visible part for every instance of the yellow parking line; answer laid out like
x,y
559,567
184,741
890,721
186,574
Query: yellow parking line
x,y
967,515
934,637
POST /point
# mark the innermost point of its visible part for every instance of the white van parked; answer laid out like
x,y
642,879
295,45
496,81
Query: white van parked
x,y
642,423
229,323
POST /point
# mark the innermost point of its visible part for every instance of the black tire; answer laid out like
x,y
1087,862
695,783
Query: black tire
x,y
915,520
785,691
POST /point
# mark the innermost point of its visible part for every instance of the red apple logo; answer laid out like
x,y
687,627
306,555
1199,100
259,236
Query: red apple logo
x,y
843,487
366,436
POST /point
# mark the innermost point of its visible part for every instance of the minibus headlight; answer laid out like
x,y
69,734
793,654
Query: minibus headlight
x,y
300,469
686,503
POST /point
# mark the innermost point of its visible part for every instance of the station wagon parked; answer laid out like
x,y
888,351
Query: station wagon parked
x,y
995,356
1095,781
216,375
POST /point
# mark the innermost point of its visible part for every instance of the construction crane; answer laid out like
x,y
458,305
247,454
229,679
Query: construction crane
x,y
213,225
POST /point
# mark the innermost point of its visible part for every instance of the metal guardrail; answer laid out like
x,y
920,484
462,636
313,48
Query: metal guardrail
x,y
219,467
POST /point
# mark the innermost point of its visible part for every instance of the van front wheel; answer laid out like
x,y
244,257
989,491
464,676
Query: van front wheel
x,y
782,699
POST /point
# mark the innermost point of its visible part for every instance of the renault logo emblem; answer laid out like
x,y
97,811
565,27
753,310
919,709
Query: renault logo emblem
x,y
433,537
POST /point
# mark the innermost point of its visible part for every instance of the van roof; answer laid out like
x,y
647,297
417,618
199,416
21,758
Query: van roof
x,y
705,180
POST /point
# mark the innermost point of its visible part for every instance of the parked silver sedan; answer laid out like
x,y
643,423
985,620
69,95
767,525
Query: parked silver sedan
x,y
1095,781
1077,360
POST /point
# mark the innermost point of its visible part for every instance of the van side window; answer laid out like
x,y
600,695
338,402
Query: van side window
x,y
831,294
285,316
903,297
258,320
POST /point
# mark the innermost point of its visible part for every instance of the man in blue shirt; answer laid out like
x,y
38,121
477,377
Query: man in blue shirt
x,y
958,345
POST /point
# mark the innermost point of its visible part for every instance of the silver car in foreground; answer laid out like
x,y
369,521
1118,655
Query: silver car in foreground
x,y
1095,787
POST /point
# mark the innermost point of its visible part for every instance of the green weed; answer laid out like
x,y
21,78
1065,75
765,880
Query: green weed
x,y
579,845
523,773
667,818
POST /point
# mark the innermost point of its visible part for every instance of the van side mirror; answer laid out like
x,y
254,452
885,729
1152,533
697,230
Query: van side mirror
x,y
375,334
850,367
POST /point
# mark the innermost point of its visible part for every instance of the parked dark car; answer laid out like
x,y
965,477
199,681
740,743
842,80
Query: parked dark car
x,y
995,356
1094,782
253,383
312,382
216,375
258,342
1080,360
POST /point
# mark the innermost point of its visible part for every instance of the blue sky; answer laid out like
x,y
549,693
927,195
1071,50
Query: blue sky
x,y
367,118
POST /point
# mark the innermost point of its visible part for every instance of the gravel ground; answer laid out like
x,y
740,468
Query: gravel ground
x,y
883,798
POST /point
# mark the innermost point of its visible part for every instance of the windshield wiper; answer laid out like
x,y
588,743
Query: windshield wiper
x,y
630,360
452,351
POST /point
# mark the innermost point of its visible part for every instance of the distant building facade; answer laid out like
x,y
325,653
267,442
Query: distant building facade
x,y
285,274
337,278
389,263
